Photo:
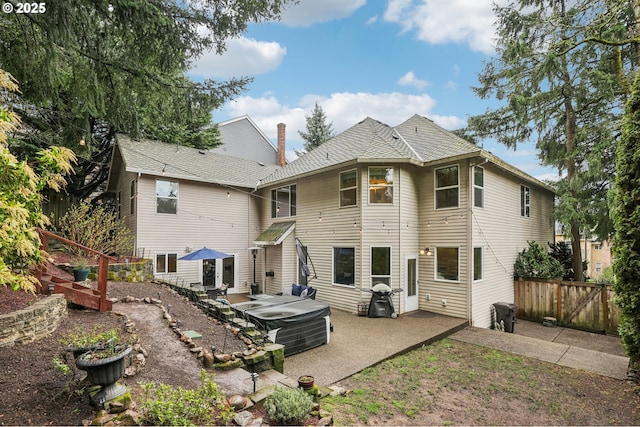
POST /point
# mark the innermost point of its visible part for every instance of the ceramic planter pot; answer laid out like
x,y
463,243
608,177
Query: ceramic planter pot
x,y
80,274
306,382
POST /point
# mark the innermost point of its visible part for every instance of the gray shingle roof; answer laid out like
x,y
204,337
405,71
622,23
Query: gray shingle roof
x,y
151,157
417,140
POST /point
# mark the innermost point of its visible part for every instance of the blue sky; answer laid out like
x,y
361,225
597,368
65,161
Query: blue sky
x,y
384,59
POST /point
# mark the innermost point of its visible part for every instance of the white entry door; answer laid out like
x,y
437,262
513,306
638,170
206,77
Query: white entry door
x,y
216,272
411,283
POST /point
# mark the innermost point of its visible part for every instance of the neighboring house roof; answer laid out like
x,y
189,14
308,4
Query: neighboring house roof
x,y
276,233
241,137
418,141
172,161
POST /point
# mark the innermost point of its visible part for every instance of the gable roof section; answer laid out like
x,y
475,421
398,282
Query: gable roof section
x,y
153,157
369,140
241,137
417,140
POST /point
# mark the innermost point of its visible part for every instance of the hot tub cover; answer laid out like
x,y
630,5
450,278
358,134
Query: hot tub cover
x,y
285,312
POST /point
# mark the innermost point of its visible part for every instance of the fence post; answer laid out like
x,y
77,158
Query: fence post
x,y
604,294
559,301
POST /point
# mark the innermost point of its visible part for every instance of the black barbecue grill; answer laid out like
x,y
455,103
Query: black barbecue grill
x,y
381,304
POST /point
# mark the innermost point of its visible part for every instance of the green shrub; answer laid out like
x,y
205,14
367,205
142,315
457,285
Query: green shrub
x,y
165,405
288,406
98,228
535,263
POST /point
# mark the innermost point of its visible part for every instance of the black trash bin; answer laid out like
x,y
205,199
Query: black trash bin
x,y
255,288
506,313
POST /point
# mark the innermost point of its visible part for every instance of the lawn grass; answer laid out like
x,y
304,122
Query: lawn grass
x,y
451,382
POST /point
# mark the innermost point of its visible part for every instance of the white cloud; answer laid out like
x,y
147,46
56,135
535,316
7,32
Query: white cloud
x,y
461,21
308,12
372,20
410,79
342,109
243,57
451,85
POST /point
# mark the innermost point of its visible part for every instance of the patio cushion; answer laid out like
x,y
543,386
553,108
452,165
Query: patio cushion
x,y
296,289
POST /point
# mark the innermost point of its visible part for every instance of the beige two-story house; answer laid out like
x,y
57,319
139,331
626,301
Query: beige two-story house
x,y
413,206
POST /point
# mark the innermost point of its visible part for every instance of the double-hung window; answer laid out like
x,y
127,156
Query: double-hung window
x,y
381,265
283,201
166,197
381,185
478,187
447,187
525,196
348,188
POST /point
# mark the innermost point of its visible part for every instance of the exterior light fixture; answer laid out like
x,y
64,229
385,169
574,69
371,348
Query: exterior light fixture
x,y
426,251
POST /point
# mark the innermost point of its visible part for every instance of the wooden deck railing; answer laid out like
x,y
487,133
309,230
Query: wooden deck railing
x,y
103,267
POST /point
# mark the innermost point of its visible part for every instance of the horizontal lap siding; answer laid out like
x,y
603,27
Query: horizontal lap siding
x,y
206,217
435,232
503,233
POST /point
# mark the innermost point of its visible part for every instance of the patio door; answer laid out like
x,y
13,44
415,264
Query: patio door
x,y
215,272
411,283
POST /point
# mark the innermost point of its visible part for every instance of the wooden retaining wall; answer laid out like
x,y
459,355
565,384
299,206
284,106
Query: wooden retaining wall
x,y
582,305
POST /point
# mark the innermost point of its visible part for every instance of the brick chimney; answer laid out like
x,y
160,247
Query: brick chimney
x,y
282,146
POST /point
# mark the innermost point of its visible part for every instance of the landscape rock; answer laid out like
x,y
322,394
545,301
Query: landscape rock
x,y
325,421
238,402
243,418
222,358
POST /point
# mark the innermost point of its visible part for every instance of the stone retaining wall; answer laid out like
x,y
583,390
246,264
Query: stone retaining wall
x,y
132,272
32,323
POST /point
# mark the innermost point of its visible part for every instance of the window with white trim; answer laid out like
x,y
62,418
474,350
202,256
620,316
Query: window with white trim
x,y
381,265
348,188
478,263
166,197
525,199
381,185
166,263
283,201
478,187
132,197
447,183
447,264
344,266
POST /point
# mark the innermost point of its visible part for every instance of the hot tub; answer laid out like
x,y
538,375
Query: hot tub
x,y
297,323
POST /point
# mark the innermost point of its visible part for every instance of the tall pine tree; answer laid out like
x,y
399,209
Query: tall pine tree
x,y
318,130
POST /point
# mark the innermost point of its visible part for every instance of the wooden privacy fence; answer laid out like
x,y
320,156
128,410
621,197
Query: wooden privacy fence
x,y
575,304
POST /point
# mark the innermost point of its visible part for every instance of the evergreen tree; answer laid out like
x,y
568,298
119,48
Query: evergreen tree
x,y
564,93
626,217
91,68
318,130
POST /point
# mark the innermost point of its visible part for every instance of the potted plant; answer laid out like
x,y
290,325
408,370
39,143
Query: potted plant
x,y
80,269
79,340
105,364
306,382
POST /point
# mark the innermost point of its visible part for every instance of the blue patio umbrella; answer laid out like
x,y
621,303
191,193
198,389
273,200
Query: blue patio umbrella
x,y
204,253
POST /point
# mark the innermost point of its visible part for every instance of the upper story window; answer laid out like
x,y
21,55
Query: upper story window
x,y
166,197
132,197
447,187
348,188
525,198
478,187
597,247
283,201
381,185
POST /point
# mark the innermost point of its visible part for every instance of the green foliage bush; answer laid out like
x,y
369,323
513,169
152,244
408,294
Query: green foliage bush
x,y
165,405
535,263
288,406
626,218
98,228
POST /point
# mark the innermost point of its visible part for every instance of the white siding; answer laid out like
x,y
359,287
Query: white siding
x,y
502,233
444,228
206,217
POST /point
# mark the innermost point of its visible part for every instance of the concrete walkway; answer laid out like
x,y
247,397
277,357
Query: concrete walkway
x,y
597,353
